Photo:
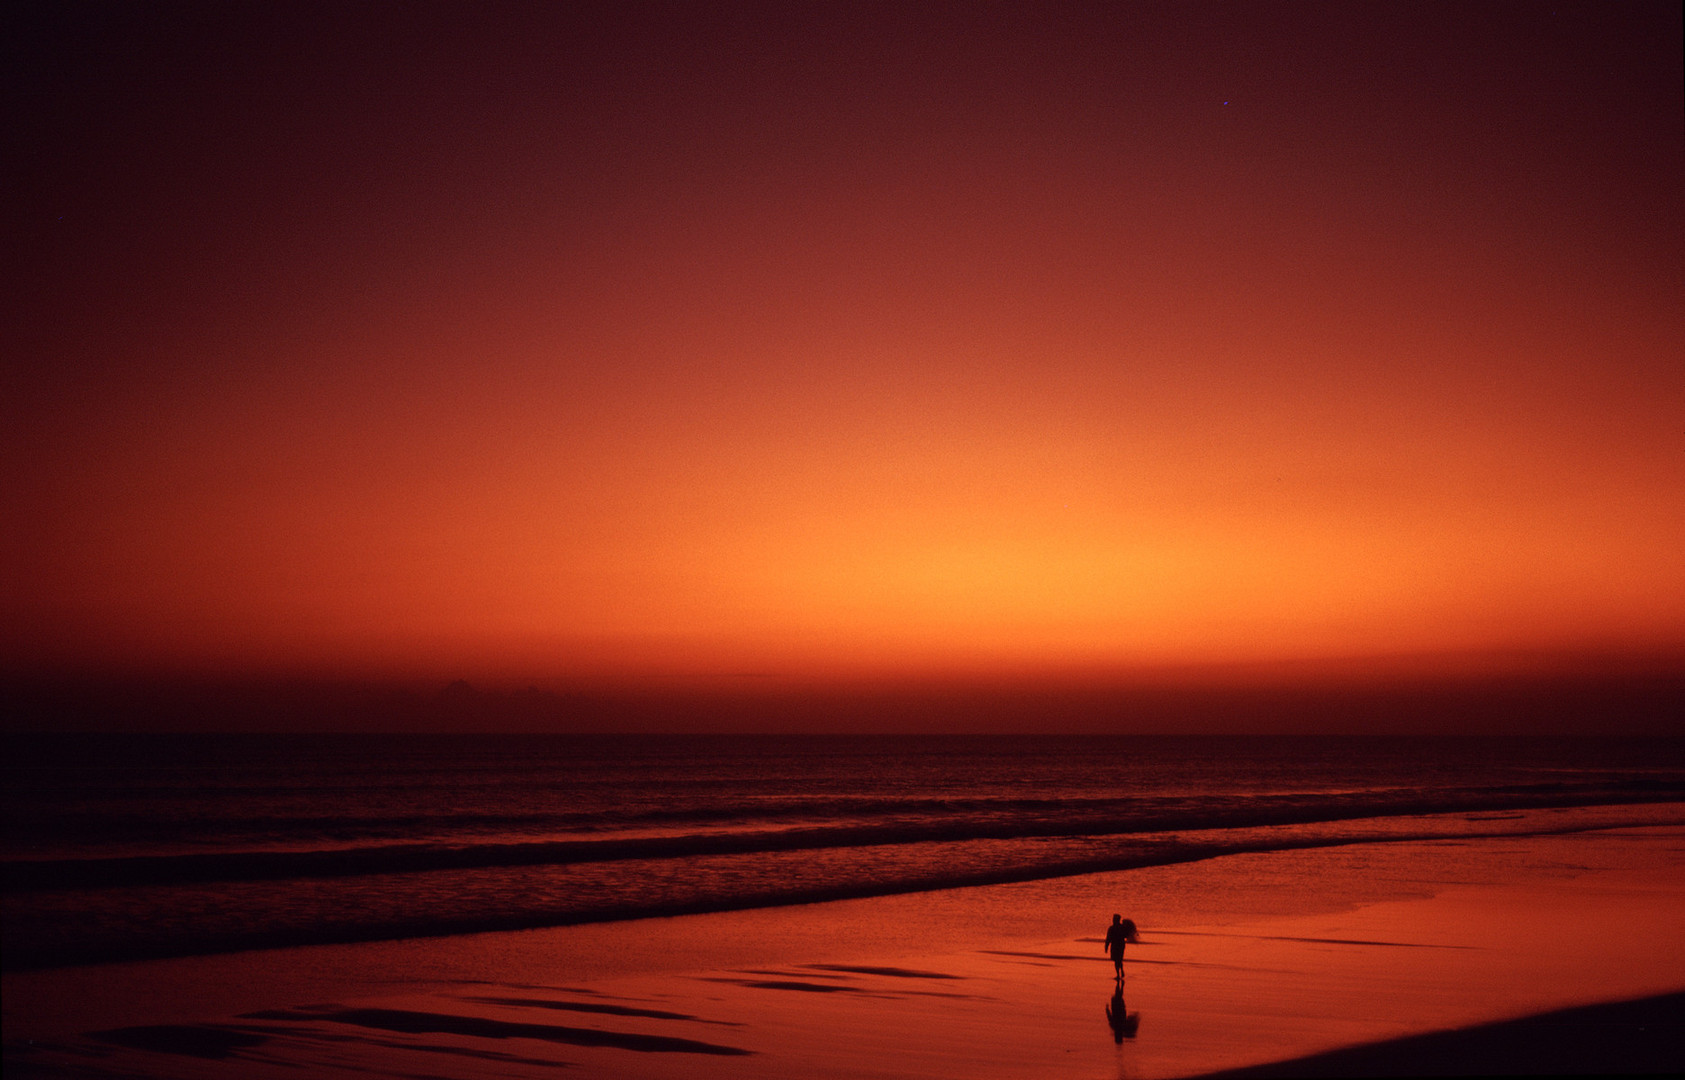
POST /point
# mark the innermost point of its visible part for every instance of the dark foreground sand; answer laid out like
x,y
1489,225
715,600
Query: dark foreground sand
x,y
1414,958
1643,1036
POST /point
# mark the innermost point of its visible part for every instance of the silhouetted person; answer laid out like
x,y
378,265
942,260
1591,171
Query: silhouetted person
x,y
1118,934
1124,1023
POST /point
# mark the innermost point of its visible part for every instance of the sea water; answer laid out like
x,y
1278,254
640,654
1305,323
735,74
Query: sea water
x,y
126,847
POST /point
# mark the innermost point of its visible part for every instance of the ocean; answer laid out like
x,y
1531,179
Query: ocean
x,y
134,847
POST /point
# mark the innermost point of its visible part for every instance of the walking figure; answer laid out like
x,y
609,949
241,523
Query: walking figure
x,y
1118,934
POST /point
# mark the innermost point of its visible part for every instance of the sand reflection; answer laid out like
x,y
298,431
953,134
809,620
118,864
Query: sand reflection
x,y
1124,1024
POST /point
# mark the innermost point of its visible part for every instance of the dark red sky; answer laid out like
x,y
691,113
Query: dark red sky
x,y
889,341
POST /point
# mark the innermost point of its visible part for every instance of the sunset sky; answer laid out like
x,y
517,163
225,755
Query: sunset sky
x,y
538,343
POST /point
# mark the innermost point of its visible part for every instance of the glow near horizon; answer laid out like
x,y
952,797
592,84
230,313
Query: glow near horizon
x,y
1053,403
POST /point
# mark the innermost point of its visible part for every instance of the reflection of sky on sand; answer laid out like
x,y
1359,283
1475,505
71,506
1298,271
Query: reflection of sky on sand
x,y
1200,995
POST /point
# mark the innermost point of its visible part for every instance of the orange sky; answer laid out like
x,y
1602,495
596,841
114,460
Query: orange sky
x,y
537,347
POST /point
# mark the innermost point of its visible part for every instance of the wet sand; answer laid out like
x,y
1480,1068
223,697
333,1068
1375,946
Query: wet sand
x,y
1245,961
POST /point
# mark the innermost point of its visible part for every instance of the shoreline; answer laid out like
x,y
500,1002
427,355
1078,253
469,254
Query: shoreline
x,y
45,933
1245,960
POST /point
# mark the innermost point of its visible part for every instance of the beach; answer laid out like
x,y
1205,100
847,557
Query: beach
x,y
1244,961
734,540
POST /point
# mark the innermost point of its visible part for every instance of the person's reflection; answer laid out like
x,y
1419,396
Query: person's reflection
x,y
1124,1024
